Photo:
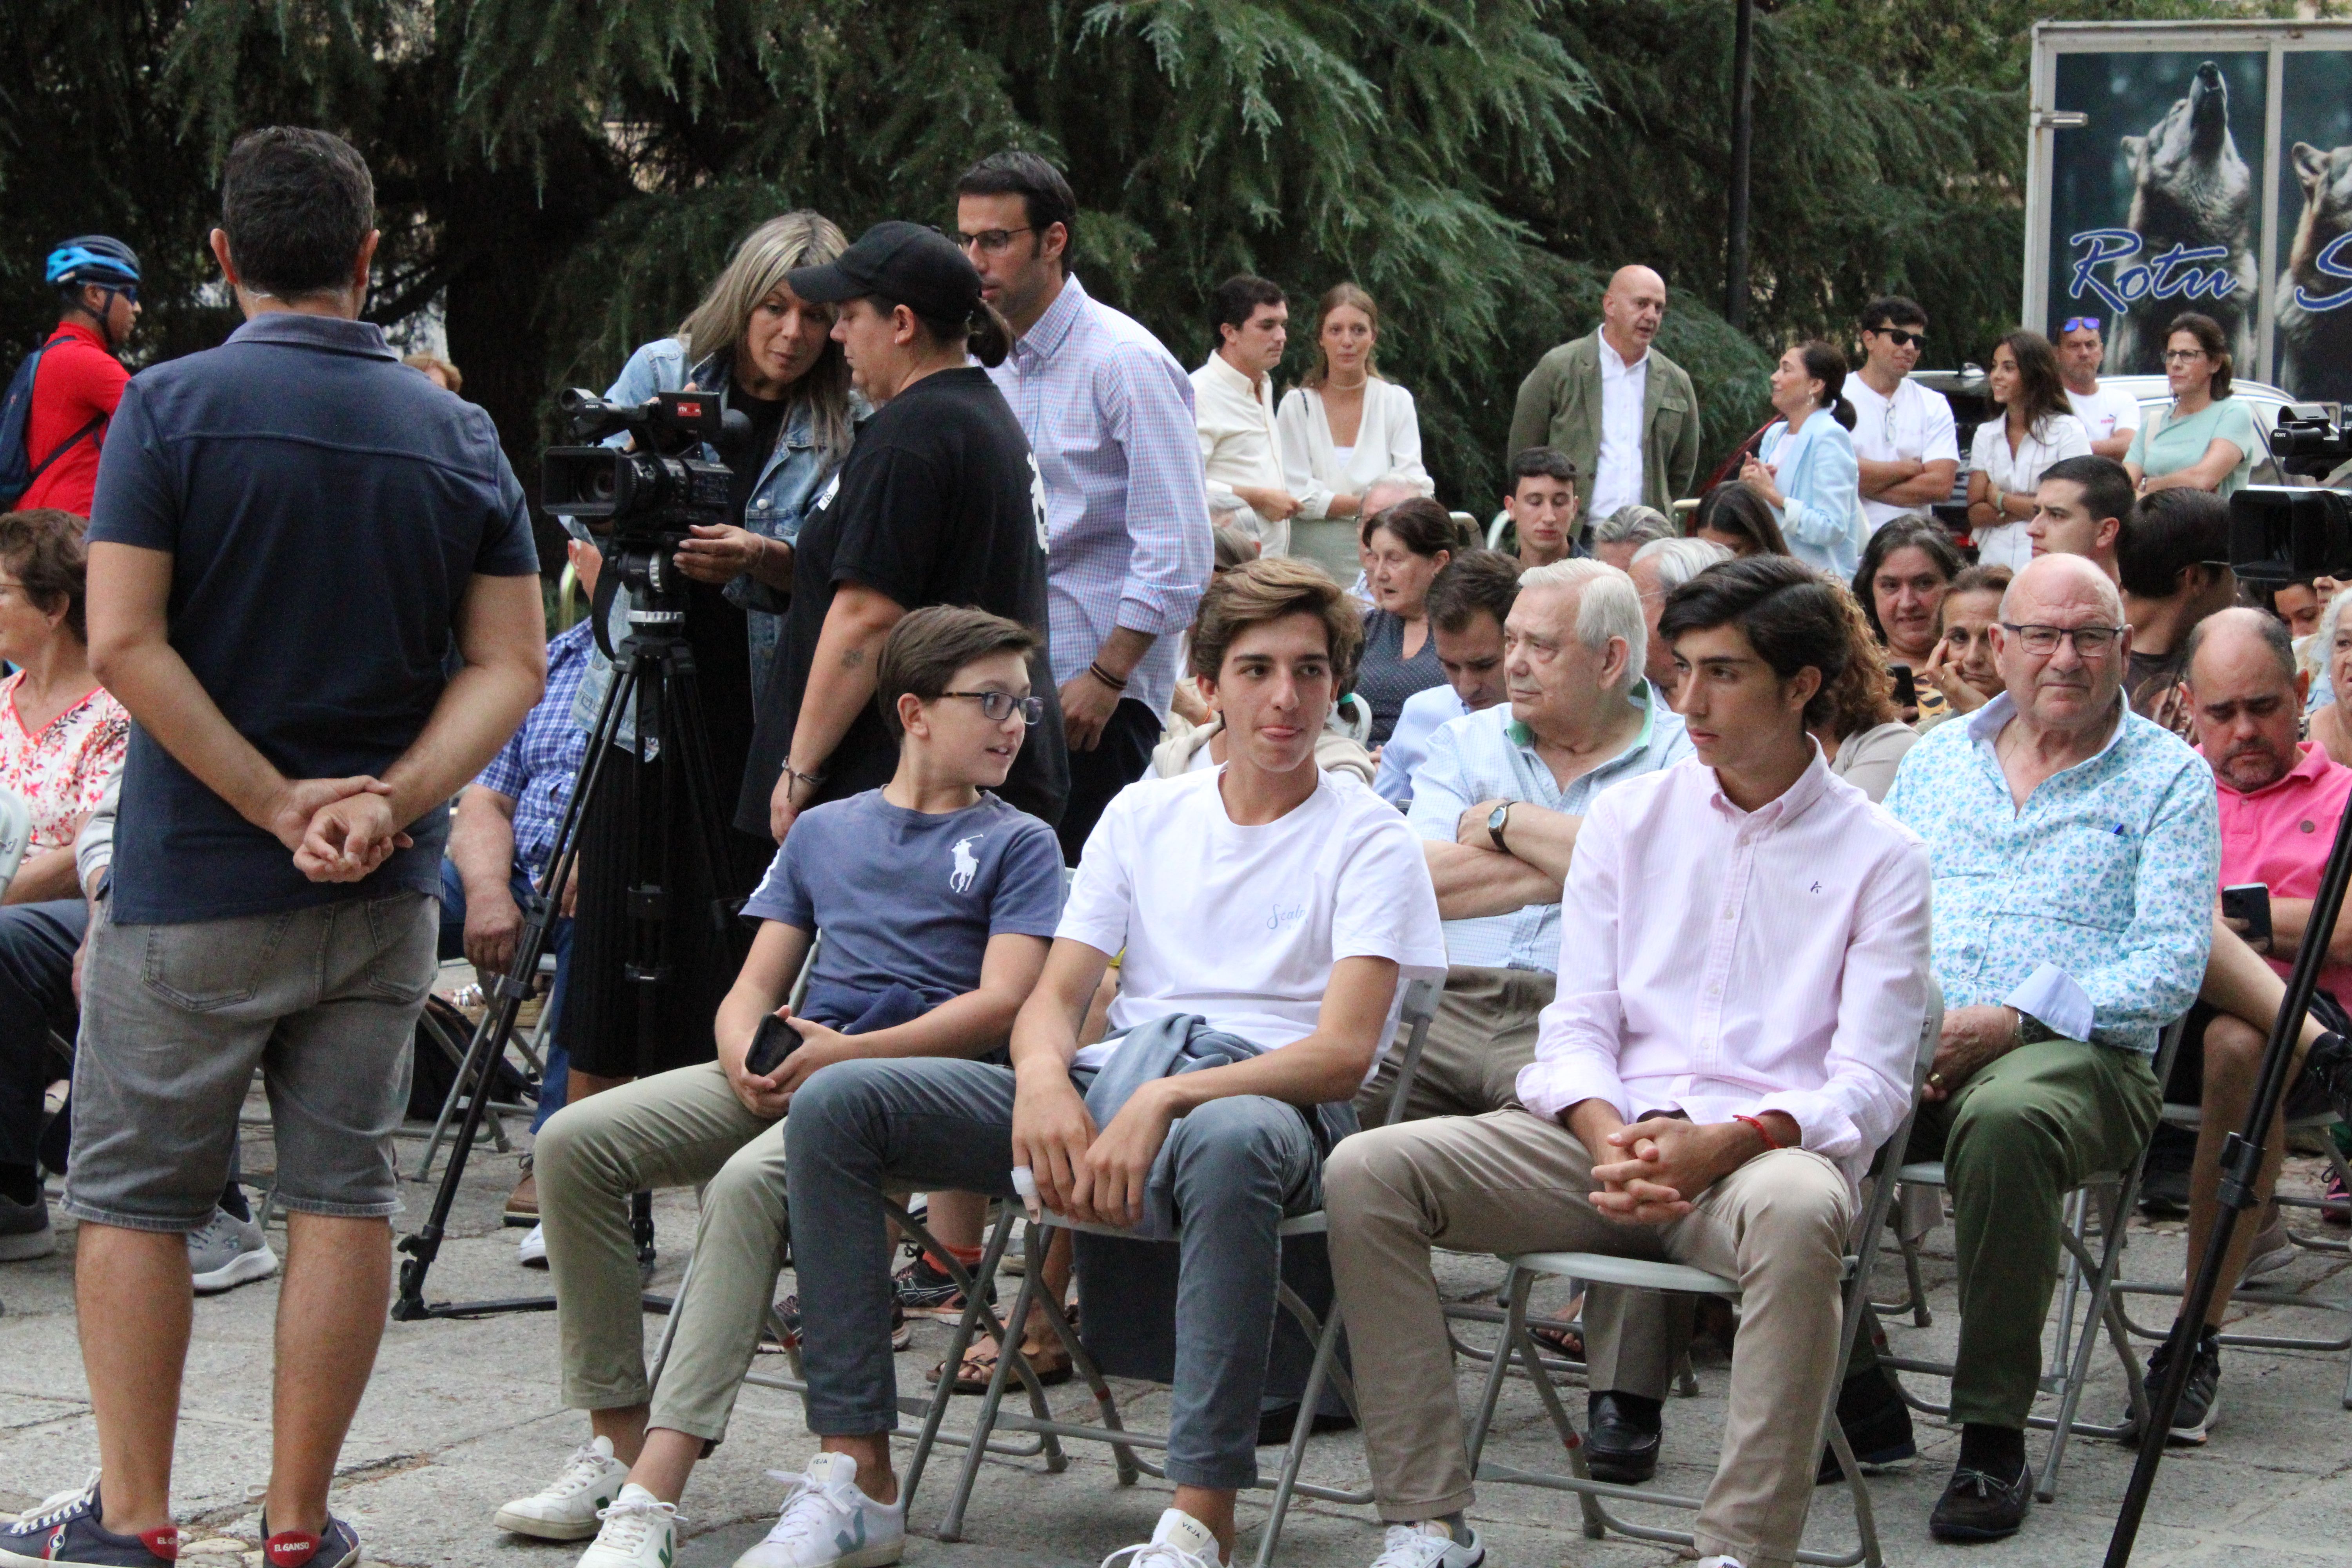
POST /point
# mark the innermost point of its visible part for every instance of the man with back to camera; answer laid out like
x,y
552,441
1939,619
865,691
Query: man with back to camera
x,y
1271,914
2081,507
1233,400
1903,438
2109,413
80,378
1541,505
1624,413
1108,413
280,842
1467,602
1709,1085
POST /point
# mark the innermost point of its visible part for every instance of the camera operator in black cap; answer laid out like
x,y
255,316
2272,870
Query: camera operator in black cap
x,y
940,503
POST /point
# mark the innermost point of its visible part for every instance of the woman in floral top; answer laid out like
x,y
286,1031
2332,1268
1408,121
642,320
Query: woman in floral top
x,y
62,736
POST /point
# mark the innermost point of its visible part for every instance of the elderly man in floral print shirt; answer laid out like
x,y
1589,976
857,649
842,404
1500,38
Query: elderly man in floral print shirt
x,y
2075,846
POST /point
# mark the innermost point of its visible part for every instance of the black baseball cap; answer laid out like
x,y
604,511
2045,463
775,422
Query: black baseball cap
x,y
905,263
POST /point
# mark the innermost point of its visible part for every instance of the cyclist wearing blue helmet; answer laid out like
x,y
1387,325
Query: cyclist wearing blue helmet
x,y
79,380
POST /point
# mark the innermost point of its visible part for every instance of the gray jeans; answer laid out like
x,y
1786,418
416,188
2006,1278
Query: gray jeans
x,y
1241,1166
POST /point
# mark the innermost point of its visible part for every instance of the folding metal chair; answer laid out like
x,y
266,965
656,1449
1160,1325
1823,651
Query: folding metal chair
x,y
1419,1007
1607,1268
2188,1119
2070,1359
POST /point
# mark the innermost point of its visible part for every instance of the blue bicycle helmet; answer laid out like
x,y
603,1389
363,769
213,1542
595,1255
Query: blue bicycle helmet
x,y
92,259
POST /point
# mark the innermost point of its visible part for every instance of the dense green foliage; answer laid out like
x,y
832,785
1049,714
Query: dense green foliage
x,y
560,176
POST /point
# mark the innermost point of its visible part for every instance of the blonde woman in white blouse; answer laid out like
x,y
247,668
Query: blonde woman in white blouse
x,y
1343,426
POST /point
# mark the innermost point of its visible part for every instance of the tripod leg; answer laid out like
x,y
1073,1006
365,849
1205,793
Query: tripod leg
x,y
505,994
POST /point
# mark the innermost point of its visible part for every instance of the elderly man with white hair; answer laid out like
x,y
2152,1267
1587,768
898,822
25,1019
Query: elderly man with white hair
x,y
1659,568
2074,846
1498,803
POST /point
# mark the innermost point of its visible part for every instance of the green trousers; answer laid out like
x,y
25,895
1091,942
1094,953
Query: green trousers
x,y
2017,1138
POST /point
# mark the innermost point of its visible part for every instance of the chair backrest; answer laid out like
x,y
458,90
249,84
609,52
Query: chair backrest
x,y
15,835
1415,1017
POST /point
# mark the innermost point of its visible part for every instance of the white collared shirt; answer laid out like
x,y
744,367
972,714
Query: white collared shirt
x,y
1238,445
1617,470
1718,961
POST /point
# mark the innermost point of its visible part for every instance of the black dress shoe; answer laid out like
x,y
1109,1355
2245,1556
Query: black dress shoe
x,y
1621,1441
1978,1506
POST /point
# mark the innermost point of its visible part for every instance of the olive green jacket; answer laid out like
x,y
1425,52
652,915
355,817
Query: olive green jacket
x,y
1559,405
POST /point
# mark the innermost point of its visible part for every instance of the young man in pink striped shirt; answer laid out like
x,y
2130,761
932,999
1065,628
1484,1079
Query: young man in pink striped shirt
x,y
1743,977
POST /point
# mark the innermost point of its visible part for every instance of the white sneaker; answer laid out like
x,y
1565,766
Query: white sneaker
x,y
827,1523
640,1531
532,1251
228,1252
1720,1563
567,1508
1180,1541
1429,1544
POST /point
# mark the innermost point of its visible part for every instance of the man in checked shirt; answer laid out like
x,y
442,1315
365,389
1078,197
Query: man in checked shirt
x,y
1108,413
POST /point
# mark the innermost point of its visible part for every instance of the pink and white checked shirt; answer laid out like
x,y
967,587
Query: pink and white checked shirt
x,y
63,771
1716,962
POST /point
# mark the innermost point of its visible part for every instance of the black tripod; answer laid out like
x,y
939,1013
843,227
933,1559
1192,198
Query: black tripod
x,y
2242,1163
654,669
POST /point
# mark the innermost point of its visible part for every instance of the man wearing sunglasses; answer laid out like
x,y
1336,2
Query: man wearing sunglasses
x,y
2074,845
1902,432
78,380
2109,413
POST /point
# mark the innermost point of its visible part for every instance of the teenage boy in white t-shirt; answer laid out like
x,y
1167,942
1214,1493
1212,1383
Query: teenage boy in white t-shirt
x,y
2109,413
1903,434
1284,906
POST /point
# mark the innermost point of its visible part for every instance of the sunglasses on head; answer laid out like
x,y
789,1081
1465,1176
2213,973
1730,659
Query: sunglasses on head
x,y
1902,337
2078,324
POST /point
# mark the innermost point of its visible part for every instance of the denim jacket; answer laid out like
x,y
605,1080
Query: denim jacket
x,y
789,479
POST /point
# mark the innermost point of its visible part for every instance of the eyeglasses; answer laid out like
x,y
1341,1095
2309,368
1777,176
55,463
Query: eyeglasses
x,y
1901,338
2090,642
2078,324
990,242
995,705
2183,356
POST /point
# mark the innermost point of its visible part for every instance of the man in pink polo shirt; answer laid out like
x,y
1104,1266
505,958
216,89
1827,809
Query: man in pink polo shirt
x,y
2280,800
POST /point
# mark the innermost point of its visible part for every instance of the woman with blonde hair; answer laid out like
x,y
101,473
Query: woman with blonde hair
x,y
1344,425
769,355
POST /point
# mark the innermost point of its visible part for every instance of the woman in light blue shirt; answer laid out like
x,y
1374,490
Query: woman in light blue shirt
x,y
2205,440
1805,468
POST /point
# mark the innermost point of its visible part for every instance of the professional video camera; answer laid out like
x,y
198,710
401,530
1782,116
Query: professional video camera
x,y
2309,438
2280,534
654,488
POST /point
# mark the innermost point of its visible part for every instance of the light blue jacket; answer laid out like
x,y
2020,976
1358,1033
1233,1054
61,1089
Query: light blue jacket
x,y
1821,483
789,478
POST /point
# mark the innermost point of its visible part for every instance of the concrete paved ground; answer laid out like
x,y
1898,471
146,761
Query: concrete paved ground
x,y
462,1415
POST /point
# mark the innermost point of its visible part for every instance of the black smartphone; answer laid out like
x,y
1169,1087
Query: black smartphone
x,y
1906,691
773,1041
2250,902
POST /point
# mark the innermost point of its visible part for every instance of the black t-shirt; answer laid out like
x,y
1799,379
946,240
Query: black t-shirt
x,y
939,503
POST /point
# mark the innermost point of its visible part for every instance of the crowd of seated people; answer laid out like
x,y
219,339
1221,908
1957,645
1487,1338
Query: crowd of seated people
x,y
1659,794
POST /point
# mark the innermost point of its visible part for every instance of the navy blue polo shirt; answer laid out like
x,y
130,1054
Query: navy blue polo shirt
x,y
324,507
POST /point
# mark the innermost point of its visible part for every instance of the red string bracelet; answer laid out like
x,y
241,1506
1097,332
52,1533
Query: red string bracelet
x,y
1761,1132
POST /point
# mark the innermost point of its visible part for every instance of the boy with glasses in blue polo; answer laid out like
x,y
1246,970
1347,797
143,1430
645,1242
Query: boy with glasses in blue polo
x,y
937,902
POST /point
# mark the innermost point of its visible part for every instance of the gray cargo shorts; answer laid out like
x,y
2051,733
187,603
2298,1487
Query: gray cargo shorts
x,y
174,1019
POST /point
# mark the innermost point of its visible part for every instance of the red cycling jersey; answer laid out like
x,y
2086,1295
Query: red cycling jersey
x,y
78,380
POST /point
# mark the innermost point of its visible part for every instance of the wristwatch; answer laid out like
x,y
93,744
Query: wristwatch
x,y
2032,1031
1498,819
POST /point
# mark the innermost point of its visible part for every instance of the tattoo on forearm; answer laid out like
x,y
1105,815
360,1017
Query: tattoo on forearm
x,y
853,658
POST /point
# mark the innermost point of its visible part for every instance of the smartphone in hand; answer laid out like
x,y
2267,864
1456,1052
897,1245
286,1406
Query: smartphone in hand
x,y
774,1040
2250,902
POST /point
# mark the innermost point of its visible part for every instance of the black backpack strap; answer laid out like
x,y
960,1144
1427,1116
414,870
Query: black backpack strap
x,y
97,421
